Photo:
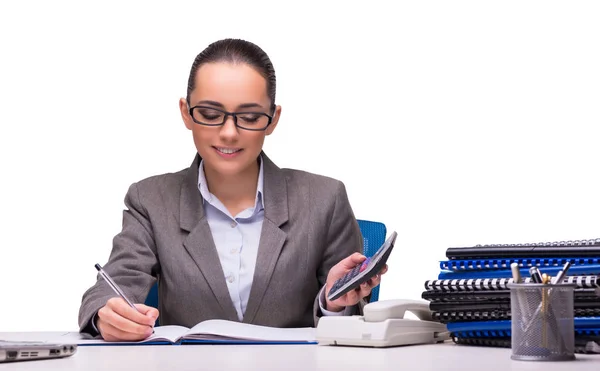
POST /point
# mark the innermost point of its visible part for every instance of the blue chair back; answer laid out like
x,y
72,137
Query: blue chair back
x,y
152,298
373,237
373,234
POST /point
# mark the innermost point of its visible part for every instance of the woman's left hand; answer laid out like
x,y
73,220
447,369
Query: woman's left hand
x,y
354,296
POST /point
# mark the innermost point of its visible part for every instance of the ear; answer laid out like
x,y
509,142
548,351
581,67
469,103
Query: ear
x,y
274,121
185,114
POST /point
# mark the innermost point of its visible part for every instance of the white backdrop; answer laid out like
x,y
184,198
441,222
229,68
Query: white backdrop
x,y
454,122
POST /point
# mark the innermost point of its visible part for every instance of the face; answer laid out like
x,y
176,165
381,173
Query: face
x,y
227,149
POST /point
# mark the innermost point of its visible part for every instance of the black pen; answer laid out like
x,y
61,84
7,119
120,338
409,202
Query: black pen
x,y
561,275
536,276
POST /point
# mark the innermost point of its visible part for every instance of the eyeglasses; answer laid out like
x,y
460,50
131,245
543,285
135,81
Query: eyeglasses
x,y
209,116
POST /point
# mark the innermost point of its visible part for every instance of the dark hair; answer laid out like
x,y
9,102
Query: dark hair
x,y
235,51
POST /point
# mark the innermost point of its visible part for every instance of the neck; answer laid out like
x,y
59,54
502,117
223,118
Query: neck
x,y
234,191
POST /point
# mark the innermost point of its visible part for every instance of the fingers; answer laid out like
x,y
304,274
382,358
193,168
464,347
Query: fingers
x,y
352,260
374,281
112,333
365,289
360,292
118,321
120,307
112,318
383,270
343,267
148,311
352,297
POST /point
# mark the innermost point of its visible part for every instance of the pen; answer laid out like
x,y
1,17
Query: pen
x,y
114,286
521,299
545,278
536,276
560,276
545,281
515,272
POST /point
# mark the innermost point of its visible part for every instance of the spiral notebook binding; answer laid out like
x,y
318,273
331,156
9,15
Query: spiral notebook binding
x,y
480,284
458,316
500,342
557,249
507,333
473,284
581,294
496,315
577,270
504,263
570,243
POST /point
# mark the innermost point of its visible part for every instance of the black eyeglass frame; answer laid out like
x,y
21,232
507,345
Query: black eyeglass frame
x,y
232,114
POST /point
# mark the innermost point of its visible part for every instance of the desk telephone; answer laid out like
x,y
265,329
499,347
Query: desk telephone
x,y
383,325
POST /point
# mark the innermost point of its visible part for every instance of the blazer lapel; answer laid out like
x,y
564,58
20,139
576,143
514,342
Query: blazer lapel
x,y
272,237
199,243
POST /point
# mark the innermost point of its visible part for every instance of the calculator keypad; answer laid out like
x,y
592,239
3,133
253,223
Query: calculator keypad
x,y
350,275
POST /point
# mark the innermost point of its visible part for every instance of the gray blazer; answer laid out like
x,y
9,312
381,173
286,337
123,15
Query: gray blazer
x,y
308,227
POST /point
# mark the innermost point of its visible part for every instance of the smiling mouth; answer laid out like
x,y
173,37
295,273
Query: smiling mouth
x,y
227,151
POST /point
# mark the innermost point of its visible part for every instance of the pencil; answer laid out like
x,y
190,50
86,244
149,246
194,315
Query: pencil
x,y
545,280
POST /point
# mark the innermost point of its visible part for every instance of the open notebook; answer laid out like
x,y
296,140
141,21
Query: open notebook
x,y
209,332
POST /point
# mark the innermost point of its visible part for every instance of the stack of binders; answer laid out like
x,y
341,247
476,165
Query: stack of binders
x,y
471,294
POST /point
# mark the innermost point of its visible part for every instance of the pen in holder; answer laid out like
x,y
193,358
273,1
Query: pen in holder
x,y
542,323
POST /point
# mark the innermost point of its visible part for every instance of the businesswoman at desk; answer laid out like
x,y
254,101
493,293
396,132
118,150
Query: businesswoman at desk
x,y
233,236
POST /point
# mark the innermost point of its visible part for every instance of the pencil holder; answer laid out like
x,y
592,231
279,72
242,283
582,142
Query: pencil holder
x,y
542,323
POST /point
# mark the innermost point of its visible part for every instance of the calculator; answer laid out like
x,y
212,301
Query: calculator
x,y
364,271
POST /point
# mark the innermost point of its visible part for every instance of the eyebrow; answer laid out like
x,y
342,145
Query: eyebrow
x,y
217,104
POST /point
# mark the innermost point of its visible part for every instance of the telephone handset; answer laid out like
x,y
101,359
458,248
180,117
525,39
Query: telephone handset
x,y
383,325
382,310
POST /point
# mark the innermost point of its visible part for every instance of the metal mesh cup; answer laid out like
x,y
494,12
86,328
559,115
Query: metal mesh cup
x,y
542,323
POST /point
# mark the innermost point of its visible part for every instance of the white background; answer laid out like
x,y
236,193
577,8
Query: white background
x,y
454,122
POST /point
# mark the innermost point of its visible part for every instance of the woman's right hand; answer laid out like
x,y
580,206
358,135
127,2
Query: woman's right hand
x,y
117,321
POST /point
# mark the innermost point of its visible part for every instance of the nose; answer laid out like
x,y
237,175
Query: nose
x,y
229,131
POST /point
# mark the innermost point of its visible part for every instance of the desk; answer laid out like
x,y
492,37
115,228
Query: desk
x,y
437,357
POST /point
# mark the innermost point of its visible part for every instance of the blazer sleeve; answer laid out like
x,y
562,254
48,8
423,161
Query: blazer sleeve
x,y
132,264
343,239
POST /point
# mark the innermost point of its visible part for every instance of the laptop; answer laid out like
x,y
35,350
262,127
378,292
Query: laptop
x,y
15,351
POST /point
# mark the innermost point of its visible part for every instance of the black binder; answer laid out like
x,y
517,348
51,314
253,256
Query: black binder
x,y
580,295
541,249
497,314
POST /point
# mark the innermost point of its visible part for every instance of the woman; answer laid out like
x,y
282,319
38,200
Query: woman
x,y
233,236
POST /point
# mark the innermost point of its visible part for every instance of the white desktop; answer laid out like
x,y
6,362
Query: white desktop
x,y
383,339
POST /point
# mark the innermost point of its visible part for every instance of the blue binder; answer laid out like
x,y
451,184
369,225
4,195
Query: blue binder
x,y
583,325
577,270
504,263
